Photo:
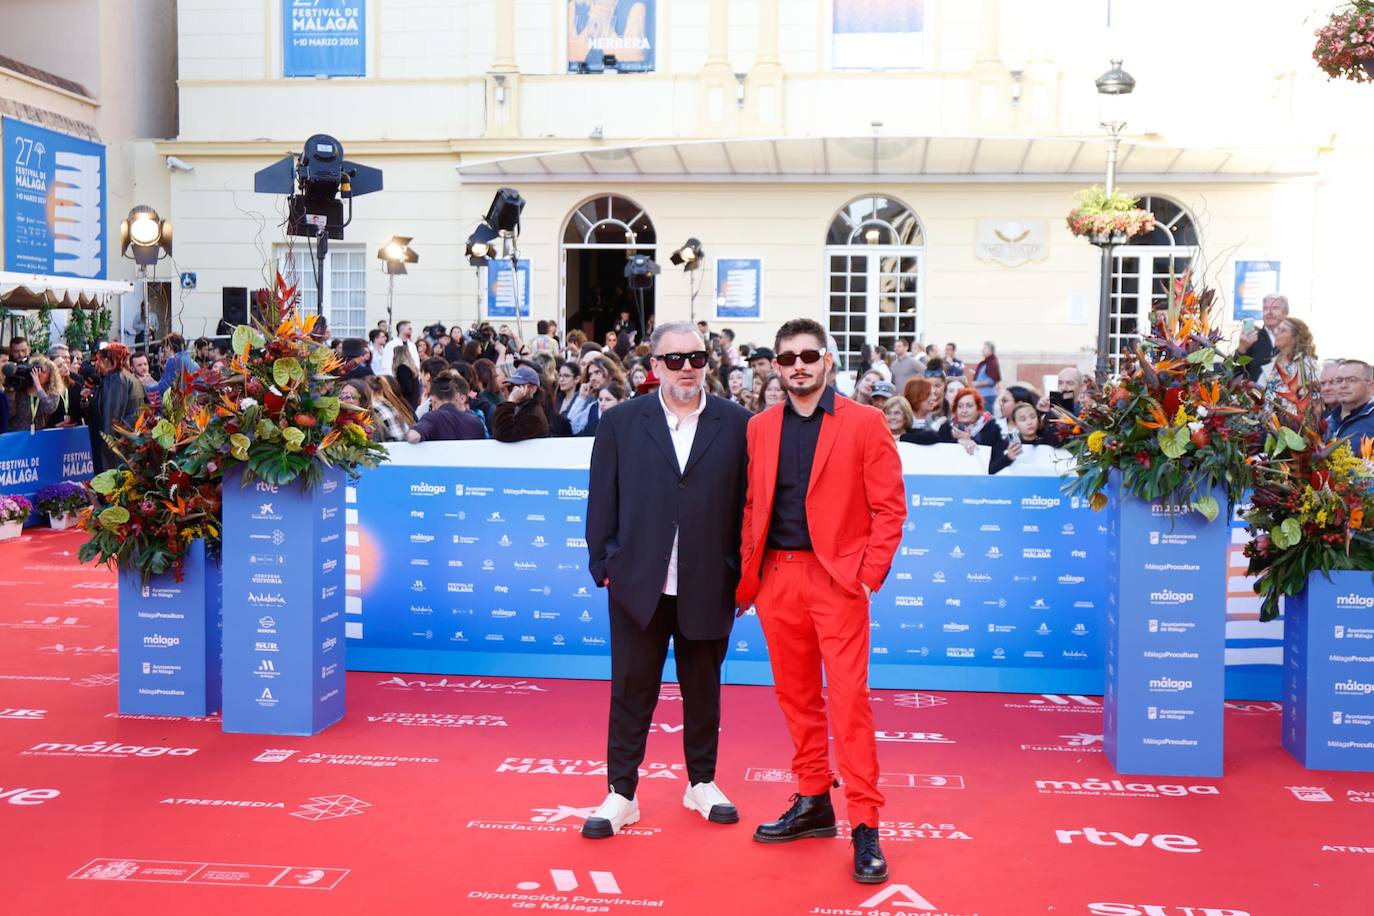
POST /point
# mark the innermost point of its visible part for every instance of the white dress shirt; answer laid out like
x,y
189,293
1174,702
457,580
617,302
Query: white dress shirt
x,y
682,434
389,352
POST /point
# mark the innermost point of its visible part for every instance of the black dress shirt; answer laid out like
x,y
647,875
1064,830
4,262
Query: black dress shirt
x,y
787,530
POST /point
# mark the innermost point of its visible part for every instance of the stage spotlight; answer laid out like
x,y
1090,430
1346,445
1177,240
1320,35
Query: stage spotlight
x,y
640,270
690,256
147,234
396,254
318,181
479,247
504,213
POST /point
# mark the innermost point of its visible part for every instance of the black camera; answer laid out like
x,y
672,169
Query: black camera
x,y
18,377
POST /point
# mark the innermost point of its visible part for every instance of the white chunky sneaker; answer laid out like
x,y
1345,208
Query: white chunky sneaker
x,y
615,812
707,800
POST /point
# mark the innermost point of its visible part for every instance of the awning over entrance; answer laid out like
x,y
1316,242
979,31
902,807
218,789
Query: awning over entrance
x,y
23,291
903,159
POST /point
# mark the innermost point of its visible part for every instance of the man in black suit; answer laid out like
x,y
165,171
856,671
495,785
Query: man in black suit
x,y
1258,343
663,529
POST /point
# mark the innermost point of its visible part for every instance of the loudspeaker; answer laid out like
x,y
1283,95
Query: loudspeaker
x,y
234,308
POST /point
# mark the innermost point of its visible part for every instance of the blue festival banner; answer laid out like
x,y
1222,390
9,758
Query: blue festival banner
x,y
1166,638
54,202
1328,697
169,639
739,288
31,461
324,38
1254,281
284,561
501,294
611,35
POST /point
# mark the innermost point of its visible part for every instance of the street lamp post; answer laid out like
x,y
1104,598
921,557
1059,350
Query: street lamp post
x,y
1112,88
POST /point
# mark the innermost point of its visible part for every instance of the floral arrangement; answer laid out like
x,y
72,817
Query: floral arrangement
x,y
1345,45
1312,511
1101,214
61,498
1177,422
14,509
276,413
165,495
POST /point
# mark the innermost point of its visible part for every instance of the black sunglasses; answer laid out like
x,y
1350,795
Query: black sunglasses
x,y
674,361
787,358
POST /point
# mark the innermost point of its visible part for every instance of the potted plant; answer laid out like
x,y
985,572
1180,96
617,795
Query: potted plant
x,y
60,503
1102,218
1345,44
14,511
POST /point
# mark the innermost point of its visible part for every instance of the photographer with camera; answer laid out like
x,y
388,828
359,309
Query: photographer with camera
x,y
33,388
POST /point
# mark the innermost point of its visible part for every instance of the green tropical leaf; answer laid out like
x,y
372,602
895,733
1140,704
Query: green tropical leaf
x,y
294,437
243,336
287,370
267,430
1288,534
105,482
113,517
1174,442
327,408
1207,506
1292,439
1203,357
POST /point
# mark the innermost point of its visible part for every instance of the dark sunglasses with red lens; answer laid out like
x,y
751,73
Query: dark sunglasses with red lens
x,y
674,361
787,358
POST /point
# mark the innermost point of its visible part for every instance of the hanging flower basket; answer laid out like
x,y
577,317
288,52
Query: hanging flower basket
x,y
1345,44
1104,218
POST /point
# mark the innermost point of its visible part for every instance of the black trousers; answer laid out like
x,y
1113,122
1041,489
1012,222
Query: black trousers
x,y
637,658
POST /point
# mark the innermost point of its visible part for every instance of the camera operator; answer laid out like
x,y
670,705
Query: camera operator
x,y
33,387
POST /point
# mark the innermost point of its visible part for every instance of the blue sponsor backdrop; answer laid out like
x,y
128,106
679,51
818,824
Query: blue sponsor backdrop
x,y
998,583
1166,638
31,461
324,37
283,606
54,202
169,640
1328,697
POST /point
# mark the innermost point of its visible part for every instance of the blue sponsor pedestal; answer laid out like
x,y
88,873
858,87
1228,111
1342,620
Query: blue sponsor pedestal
x,y
169,640
1166,638
1328,673
283,606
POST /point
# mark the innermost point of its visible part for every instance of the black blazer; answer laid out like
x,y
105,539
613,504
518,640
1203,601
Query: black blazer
x,y
638,500
1261,355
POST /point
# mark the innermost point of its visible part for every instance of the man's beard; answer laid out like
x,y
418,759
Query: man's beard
x,y
803,389
684,393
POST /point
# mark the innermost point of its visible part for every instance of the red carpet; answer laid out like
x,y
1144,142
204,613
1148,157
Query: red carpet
x,y
465,795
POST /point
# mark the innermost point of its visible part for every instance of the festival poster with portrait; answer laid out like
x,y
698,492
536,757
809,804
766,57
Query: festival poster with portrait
x,y
611,34
878,35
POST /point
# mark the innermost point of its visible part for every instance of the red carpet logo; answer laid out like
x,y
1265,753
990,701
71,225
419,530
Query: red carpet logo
x,y
918,700
1154,909
104,749
903,896
275,756
558,819
1168,842
909,831
475,685
98,680
1054,702
1116,787
913,737
31,715
28,797
64,649
566,880
438,719
327,807
1310,793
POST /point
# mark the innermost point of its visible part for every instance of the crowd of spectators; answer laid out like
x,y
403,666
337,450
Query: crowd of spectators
x,y
485,382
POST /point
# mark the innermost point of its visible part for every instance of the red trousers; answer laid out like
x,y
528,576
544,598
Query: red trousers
x,y
808,620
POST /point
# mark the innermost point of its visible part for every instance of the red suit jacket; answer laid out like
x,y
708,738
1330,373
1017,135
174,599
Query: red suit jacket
x,y
855,502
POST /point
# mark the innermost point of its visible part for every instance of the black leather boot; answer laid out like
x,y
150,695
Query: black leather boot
x,y
810,815
870,867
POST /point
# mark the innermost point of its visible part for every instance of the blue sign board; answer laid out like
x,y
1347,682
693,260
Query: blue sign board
x,y
1328,660
1254,281
739,288
169,640
324,38
1166,639
283,606
502,295
54,202
31,461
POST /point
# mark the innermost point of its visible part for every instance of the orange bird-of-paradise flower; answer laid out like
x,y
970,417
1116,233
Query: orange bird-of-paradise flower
x,y
1367,448
1157,418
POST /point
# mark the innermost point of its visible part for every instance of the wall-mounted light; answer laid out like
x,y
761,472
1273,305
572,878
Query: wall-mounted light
x,y
500,91
1016,86
739,89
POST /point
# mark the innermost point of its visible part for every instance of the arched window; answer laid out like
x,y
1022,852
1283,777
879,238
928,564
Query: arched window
x,y
597,238
875,249
1143,269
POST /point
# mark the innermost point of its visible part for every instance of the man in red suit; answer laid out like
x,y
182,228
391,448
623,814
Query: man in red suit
x,y
822,519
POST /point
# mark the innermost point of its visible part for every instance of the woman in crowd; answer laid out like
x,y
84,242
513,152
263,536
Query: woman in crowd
x,y
31,407
939,384
1008,396
1030,428
863,388
424,348
1295,356
899,416
970,426
68,411
354,394
735,385
565,387
487,394
639,373
925,402
773,392
596,373
611,394
952,387
988,374
391,412
407,375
